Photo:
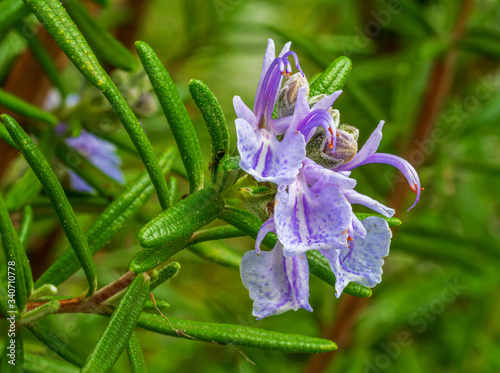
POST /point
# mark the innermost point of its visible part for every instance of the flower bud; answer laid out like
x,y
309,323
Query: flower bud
x,y
346,147
288,94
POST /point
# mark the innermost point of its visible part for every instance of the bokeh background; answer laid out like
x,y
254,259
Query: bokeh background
x,y
430,69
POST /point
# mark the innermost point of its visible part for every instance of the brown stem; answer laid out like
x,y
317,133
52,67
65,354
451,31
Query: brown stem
x,y
96,303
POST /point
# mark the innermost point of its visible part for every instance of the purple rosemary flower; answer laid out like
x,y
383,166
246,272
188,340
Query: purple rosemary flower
x,y
278,283
99,152
313,205
263,155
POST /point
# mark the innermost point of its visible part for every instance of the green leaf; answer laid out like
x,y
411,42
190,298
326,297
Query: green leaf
x,y
215,121
105,45
4,135
11,11
178,223
227,334
28,187
120,327
43,292
60,26
215,233
24,108
135,355
40,313
24,235
58,345
26,225
41,364
42,56
97,179
173,190
217,252
110,222
56,20
250,224
333,78
393,222
161,304
163,275
176,114
169,232
59,201
14,254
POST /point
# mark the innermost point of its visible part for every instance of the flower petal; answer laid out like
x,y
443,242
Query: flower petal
x,y
402,165
357,198
244,112
362,262
78,184
266,158
327,102
370,147
318,176
308,219
267,227
276,284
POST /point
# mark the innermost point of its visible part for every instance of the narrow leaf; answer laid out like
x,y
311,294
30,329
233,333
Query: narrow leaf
x,y
333,78
4,135
59,201
58,23
217,252
43,292
22,107
393,222
163,275
42,56
250,224
40,313
215,233
58,345
135,355
11,11
173,190
26,225
56,20
41,364
105,45
227,334
109,223
14,253
215,121
120,327
28,187
176,114
160,304
180,221
24,235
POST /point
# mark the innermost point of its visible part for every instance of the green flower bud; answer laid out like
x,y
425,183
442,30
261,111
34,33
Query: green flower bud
x,y
345,149
288,94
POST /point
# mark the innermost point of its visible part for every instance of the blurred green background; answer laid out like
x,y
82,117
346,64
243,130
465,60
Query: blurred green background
x,y
430,70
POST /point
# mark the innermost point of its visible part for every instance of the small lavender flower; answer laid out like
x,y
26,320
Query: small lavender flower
x,y
313,204
263,155
99,152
